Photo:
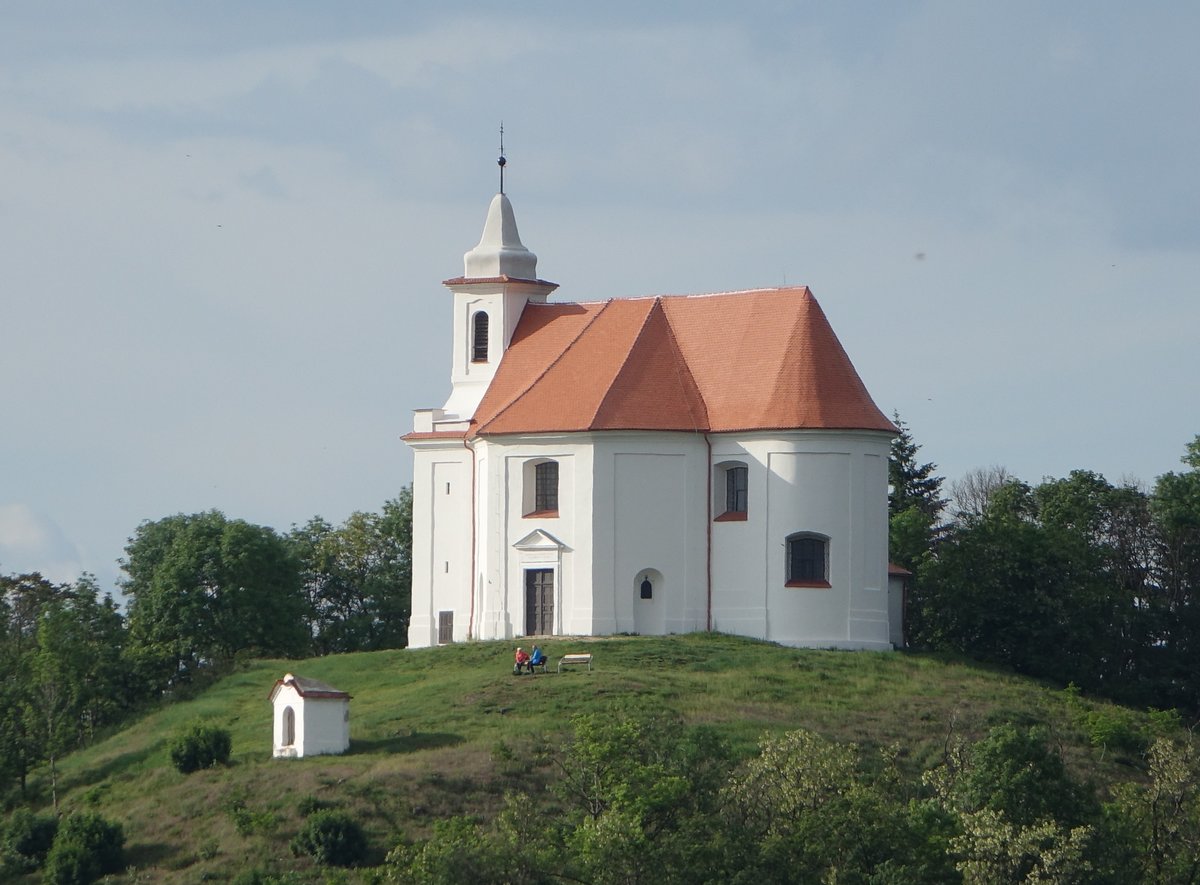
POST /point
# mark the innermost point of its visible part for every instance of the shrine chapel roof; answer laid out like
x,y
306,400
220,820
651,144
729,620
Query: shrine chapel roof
x,y
308,688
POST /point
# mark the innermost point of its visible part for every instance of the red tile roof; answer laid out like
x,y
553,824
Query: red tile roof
x,y
758,360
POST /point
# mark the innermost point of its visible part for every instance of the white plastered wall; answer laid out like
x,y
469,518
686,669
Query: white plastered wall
x,y
649,520
441,539
326,726
638,503
511,541
831,483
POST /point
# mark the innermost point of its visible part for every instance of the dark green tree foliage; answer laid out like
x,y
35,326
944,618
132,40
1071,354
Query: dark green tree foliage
x,y
14,761
1030,592
809,810
332,838
914,501
27,838
357,577
204,589
1019,773
638,801
60,671
1076,580
912,484
200,746
1175,505
1004,808
86,847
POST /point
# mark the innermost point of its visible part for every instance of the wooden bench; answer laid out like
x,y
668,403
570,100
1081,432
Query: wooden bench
x,y
568,660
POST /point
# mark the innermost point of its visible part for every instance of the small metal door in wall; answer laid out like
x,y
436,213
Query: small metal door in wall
x,y
539,601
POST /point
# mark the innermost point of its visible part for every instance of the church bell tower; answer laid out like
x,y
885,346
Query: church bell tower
x,y
499,279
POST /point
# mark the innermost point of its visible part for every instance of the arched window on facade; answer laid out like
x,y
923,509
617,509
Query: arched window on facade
x,y
289,726
479,338
807,560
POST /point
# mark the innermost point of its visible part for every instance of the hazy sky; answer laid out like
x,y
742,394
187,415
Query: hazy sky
x,y
224,226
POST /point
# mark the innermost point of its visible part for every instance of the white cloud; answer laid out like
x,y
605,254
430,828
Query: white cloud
x,y
32,542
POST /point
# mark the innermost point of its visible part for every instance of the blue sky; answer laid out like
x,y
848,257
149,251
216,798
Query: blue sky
x,y
225,226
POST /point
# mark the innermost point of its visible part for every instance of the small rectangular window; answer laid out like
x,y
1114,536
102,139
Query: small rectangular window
x,y
445,627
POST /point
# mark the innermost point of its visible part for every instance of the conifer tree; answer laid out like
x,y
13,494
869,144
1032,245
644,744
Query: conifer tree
x,y
912,484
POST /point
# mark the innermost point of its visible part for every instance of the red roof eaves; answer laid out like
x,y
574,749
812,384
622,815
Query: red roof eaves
x,y
503,278
435,434
532,384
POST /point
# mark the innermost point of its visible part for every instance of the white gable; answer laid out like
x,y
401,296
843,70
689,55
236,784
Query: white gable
x,y
540,541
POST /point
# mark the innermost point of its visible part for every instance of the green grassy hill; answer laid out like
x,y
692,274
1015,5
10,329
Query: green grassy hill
x,y
435,731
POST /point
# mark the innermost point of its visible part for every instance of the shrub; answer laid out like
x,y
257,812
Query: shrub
x,y
333,838
201,746
259,877
1017,772
86,847
310,805
246,821
27,839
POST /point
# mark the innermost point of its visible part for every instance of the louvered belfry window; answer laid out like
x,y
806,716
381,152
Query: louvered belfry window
x,y
479,342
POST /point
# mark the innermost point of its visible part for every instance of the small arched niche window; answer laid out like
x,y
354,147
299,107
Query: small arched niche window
x,y
479,337
731,491
540,496
647,582
807,560
289,726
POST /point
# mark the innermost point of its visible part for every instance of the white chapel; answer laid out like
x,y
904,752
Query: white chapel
x,y
646,465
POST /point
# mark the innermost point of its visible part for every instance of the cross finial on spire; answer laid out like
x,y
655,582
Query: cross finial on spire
x,y
501,162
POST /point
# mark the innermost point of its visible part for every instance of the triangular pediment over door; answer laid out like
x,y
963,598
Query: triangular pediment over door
x,y
539,541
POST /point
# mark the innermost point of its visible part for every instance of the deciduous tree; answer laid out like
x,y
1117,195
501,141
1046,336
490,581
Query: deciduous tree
x,y
358,577
203,589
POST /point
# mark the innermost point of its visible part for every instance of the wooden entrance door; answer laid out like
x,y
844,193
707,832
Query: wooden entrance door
x,y
539,601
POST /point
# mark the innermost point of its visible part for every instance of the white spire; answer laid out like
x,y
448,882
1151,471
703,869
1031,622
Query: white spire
x,y
500,253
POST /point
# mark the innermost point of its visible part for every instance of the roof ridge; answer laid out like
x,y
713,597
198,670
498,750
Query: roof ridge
x,y
799,343
687,368
670,296
546,371
608,390
677,357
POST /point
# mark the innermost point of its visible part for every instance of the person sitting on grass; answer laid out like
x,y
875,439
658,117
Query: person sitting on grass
x,y
537,659
520,661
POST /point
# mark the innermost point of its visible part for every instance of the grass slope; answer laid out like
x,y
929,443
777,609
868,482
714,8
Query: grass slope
x,y
444,731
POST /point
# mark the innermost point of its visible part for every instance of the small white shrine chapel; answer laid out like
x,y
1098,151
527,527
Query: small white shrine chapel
x,y
310,718
646,465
